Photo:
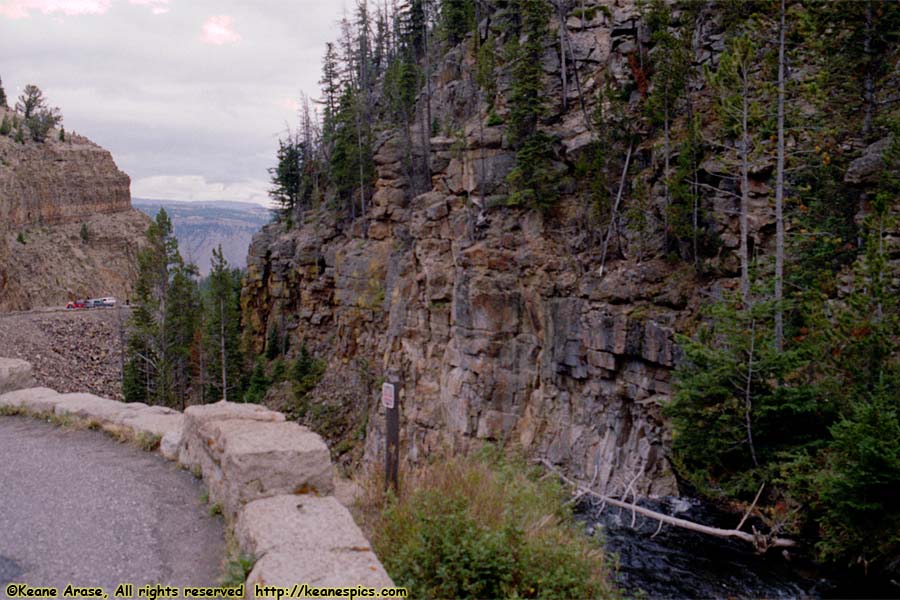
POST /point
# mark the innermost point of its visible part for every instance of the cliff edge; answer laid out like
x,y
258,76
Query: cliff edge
x,y
67,227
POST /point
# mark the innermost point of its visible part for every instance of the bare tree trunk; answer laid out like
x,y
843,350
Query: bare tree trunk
x,y
222,347
560,10
779,196
615,210
748,395
869,91
666,143
745,192
426,129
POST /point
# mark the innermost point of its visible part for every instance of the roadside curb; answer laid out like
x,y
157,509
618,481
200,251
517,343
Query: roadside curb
x,y
272,479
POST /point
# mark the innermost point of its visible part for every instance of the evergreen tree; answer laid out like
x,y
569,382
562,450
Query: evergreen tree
x,y
671,63
532,180
3,101
457,19
6,125
733,419
31,100
222,338
162,323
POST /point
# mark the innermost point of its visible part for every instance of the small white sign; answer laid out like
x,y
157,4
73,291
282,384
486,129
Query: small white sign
x,y
387,395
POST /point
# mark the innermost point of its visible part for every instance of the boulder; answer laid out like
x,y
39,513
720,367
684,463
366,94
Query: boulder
x,y
15,374
867,167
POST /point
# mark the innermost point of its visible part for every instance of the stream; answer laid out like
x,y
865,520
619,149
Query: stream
x,y
676,563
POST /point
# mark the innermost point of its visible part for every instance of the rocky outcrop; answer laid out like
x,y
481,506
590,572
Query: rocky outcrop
x,y
67,229
501,324
58,182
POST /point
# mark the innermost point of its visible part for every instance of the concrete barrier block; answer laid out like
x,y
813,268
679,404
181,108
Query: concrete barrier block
x,y
32,399
191,453
258,459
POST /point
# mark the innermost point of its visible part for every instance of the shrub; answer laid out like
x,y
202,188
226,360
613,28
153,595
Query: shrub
x,y
21,238
483,527
5,126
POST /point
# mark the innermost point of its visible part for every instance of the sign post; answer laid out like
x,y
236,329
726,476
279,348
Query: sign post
x,y
392,436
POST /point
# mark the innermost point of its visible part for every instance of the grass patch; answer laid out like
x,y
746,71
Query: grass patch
x,y
215,509
237,565
483,527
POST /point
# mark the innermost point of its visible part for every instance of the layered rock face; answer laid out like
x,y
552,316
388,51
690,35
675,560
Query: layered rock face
x,y
53,182
67,228
503,324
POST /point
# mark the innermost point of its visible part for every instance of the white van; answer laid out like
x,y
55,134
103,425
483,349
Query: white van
x,y
104,302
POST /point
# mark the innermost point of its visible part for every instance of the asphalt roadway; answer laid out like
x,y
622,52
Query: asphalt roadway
x,y
78,507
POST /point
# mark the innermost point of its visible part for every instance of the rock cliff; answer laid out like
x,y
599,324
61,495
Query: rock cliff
x,y
67,228
506,324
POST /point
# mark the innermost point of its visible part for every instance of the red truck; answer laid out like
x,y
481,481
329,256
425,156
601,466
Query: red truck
x,y
76,305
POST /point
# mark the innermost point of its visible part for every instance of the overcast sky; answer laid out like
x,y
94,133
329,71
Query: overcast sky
x,y
190,96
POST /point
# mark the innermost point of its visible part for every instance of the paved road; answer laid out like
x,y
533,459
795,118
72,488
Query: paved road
x,y
77,507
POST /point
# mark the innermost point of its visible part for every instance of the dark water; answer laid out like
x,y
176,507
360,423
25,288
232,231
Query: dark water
x,y
676,563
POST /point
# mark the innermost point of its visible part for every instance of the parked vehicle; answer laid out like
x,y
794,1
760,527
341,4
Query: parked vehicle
x,y
108,302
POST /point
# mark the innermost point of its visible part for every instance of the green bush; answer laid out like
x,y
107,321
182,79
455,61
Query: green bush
x,y
485,528
21,238
5,126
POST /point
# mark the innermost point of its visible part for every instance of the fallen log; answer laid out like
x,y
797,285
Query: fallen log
x,y
761,542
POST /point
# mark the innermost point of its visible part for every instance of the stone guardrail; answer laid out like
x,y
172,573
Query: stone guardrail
x,y
271,478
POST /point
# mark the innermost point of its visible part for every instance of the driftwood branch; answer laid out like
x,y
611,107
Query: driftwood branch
x,y
759,540
752,506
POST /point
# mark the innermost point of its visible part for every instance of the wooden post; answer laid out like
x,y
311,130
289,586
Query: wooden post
x,y
392,436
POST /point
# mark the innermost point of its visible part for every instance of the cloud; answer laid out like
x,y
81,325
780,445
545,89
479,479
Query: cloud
x,y
218,30
157,7
22,9
197,188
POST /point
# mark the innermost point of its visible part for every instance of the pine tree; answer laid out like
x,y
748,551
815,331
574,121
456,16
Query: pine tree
x,y
457,19
670,64
222,347
31,100
3,101
165,307
532,180
736,85
733,423
6,125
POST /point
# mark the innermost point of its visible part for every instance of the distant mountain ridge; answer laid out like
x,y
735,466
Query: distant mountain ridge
x,y
202,226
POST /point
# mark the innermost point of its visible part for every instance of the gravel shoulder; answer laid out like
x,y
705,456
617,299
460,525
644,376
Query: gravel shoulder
x,y
78,507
